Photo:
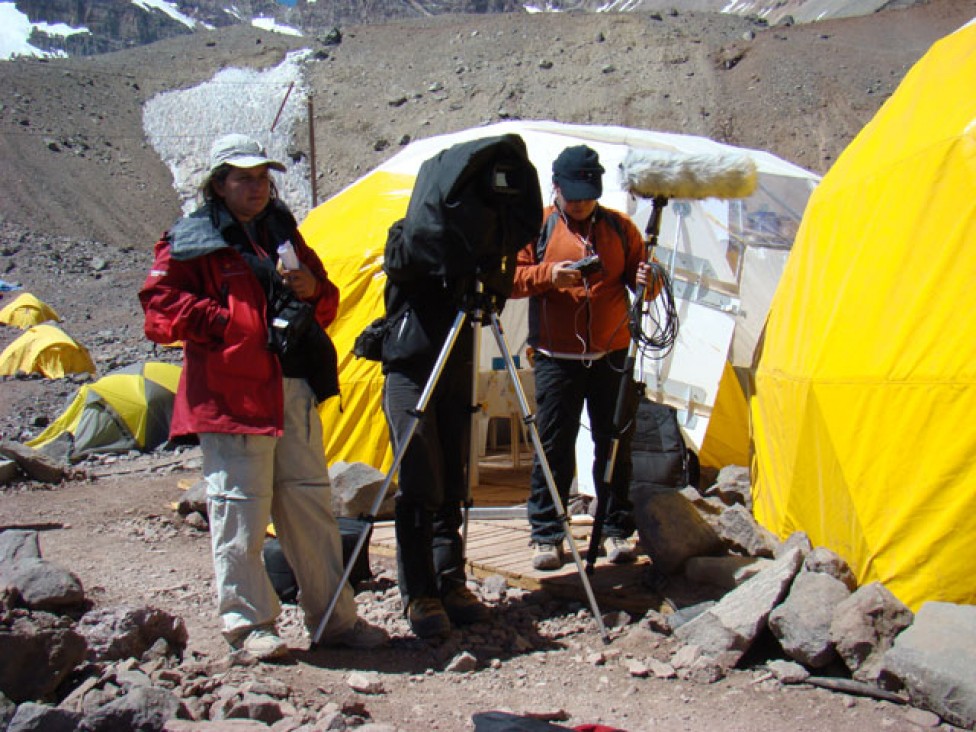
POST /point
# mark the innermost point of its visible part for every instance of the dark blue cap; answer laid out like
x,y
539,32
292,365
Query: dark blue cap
x,y
578,173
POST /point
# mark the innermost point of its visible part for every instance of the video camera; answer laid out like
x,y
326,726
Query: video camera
x,y
473,207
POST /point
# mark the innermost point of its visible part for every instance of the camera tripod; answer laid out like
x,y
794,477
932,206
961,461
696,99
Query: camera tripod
x,y
478,309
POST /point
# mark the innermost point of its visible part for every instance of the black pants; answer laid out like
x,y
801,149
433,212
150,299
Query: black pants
x,y
432,479
561,388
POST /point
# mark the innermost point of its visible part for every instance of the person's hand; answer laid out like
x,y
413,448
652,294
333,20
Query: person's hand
x,y
563,276
643,274
301,281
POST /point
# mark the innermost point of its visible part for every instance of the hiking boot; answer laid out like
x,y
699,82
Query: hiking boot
x,y
263,644
361,635
463,606
427,618
547,555
618,550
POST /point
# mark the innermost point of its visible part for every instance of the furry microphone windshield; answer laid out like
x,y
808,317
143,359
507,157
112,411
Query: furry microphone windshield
x,y
654,173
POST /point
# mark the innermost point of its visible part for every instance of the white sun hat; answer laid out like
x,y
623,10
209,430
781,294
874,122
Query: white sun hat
x,y
240,151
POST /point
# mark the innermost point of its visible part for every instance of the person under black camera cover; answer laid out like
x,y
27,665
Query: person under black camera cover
x,y
216,285
473,206
433,471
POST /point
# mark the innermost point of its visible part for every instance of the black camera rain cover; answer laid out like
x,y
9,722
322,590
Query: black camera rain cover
x,y
473,207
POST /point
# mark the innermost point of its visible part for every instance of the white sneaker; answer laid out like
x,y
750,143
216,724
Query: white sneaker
x,y
263,644
619,551
547,556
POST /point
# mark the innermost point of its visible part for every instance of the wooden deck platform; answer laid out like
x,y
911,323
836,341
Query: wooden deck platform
x,y
501,546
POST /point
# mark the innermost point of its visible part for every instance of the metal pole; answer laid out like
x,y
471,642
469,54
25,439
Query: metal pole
x,y
474,440
311,153
624,392
282,106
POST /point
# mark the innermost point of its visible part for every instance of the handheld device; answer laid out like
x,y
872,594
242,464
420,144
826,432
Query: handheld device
x,y
587,265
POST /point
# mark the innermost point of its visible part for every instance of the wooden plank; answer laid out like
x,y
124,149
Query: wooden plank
x,y
501,547
487,530
489,549
502,562
508,539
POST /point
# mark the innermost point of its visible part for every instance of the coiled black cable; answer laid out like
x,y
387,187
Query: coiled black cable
x,y
662,315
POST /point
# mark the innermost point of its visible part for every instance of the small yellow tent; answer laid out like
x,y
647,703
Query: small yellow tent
x,y
26,310
713,248
866,387
129,409
47,350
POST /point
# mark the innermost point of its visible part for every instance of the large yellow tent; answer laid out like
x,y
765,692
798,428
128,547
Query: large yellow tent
x,y
866,387
725,256
26,310
48,350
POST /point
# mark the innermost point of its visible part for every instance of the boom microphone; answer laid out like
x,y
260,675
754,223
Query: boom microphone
x,y
654,173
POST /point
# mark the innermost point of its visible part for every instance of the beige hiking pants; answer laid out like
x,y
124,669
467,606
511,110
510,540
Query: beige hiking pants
x,y
252,479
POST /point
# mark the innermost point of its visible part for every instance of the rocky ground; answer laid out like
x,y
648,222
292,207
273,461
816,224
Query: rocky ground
x,y
538,656
83,196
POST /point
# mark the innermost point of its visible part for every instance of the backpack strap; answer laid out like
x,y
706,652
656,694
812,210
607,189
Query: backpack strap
x,y
544,234
618,226
550,224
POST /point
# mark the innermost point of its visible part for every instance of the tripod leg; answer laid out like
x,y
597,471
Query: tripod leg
x,y
596,534
529,419
474,443
401,448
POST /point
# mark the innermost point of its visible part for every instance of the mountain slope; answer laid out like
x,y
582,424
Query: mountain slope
x,y
76,162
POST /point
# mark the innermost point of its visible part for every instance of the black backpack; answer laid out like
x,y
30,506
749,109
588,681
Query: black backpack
x,y
283,578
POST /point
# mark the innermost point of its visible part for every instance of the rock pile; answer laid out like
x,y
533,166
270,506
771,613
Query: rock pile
x,y
863,639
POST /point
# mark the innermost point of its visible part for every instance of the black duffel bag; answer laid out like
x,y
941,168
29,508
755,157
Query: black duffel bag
x,y
283,578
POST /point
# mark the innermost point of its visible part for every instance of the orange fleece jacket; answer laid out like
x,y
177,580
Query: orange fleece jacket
x,y
581,320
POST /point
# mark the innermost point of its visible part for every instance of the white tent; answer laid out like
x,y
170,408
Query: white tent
x,y
725,258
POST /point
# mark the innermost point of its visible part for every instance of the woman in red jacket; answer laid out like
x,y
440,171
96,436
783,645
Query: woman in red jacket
x,y
219,284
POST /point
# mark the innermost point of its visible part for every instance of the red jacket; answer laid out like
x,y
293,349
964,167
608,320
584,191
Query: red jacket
x,y
570,321
201,291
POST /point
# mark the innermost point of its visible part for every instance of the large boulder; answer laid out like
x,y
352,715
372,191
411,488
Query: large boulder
x,y
355,487
801,623
128,632
39,652
864,626
935,658
727,630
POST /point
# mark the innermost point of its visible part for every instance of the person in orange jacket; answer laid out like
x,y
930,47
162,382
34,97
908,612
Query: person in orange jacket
x,y
217,284
578,331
